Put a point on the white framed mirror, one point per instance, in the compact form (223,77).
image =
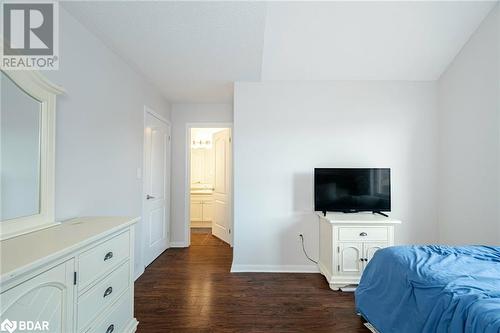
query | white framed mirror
(27,152)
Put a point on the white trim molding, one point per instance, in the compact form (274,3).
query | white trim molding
(275,268)
(139,273)
(187,180)
(35,85)
(179,244)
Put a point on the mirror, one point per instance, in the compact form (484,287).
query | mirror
(20,151)
(27,152)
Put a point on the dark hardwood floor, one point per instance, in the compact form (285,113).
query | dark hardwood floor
(192,290)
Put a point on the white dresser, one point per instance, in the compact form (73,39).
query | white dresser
(347,242)
(74,277)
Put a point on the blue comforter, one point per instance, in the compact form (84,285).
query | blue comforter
(418,289)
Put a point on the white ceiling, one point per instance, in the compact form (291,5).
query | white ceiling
(366,40)
(193,51)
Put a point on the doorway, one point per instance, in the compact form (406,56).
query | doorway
(209,190)
(156,186)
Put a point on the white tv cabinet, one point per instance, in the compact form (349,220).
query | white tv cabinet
(347,242)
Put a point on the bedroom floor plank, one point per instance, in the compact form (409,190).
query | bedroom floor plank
(192,290)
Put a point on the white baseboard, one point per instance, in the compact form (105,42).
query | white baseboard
(275,268)
(132,326)
(178,244)
(138,273)
(202,225)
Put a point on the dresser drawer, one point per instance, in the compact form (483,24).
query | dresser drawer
(103,294)
(101,259)
(363,233)
(117,318)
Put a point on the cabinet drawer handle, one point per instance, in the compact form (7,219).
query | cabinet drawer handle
(108,256)
(110,329)
(363,234)
(108,291)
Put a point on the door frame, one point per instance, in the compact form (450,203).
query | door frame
(187,170)
(151,112)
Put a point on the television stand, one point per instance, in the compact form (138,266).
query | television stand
(380,213)
(347,243)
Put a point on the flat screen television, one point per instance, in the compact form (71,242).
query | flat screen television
(352,190)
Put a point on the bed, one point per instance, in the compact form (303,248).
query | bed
(432,289)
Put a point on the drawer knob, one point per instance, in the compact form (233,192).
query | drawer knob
(108,291)
(363,234)
(110,329)
(108,256)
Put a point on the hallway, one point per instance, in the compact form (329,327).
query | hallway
(192,290)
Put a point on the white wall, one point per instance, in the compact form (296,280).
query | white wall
(469,99)
(99,128)
(182,115)
(282,131)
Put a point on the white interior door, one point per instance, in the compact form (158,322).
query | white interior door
(156,187)
(222,219)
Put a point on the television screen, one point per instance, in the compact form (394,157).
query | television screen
(352,190)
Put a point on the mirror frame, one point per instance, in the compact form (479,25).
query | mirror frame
(35,85)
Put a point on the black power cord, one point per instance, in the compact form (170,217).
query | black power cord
(304,249)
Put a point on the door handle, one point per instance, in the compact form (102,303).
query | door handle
(363,234)
(148,197)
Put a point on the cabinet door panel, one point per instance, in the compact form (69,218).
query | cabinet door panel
(196,210)
(207,211)
(369,249)
(47,297)
(350,258)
